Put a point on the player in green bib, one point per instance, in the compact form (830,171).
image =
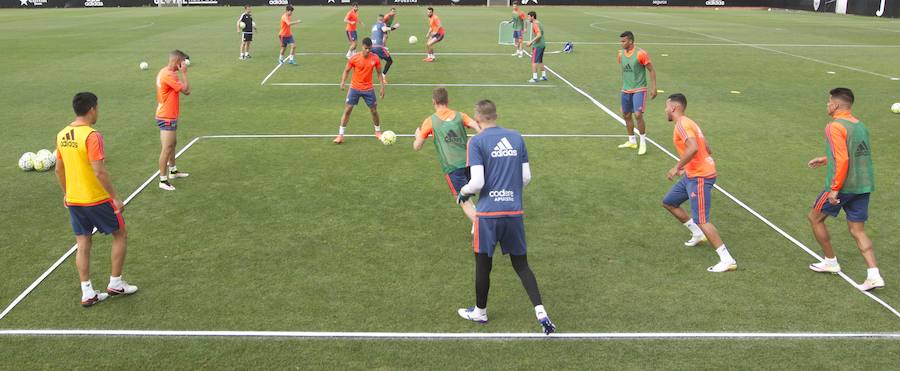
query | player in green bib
(848,184)
(518,29)
(449,130)
(537,44)
(635,64)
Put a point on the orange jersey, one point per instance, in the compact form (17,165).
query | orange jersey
(362,70)
(837,139)
(168,88)
(702,165)
(285,26)
(434,25)
(351,17)
(445,114)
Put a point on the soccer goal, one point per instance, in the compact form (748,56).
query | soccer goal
(505,33)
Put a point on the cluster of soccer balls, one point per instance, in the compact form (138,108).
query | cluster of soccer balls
(43,160)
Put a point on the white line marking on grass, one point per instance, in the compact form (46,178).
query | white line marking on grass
(236,136)
(727,194)
(417,85)
(449,54)
(756,46)
(72,250)
(271,73)
(738,44)
(460,335)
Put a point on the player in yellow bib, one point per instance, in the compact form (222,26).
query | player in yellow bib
(90,197)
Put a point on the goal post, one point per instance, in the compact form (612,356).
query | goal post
(505,33)
(169,3)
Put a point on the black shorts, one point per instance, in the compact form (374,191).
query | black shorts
(248,36)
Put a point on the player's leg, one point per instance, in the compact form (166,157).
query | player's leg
(388,61)
(483,243)
(700,190)
(856,207)
(173,171)
(167,152)
(281,40)
(351,37)
(627,115)
(511,234)
(672,202)
(820,211)
(293,48)
(639,101)
(456,179)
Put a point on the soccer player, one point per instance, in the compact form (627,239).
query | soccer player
(435,34)
(168,89)
(362,64)
(286,36)
(635,65)
(848,183)
(698,175)
(389,19)
(90,198)
(500,171)
(537,48)
(379,33)
(351,19)
(449,130)
(246,32)
(518,29)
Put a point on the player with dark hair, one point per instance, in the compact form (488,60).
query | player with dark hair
(698,175)
(849,182)
(90,197)
(518,29)
(435,34)
(286,36)
(351,19)
(449,130)
(380,31)
(246,32)
(537,44)
(500,171)
(169,88)
(363,64)
(635,64)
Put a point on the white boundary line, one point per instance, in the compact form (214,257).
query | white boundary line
(72,250)
(429,85)
(734,44)
(149,180)
(729,195)
(460,335)
(450,54)
(755,46)
(271,73)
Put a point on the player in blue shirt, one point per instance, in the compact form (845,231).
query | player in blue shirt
(498,162)
(379,32)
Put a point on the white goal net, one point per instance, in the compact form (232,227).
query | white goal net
(505,33)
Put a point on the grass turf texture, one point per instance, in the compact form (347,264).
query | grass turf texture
(295,234)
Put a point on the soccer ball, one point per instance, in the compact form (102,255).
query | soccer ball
(144,65)
(187,62)
(413,39)
(26,162)
(388,138)
(243,25)
(895,108)
(43,161)
(254,24)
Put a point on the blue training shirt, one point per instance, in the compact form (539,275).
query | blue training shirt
(502,152)
(378,35)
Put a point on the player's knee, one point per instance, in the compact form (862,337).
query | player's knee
(122,233)
(638,115)
(626,115)
(667,206)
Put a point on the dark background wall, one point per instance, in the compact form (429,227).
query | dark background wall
(860,7)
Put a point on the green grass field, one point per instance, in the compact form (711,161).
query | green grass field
(297,234)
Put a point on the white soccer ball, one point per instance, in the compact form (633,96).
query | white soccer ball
(254,24)
(43,162)
(895,108)
(144,65)
(187,62)
(243,25)
(388,138)
(26,162)
(413,39)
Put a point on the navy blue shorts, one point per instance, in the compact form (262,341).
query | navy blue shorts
(509,232)
(634,102)
(167,124)
(456,179)
(248,36)
(367,95)
(438,37)
(286,40)
(698,190)
(351,35)
(517,34)
(381,52)
(855,205)
(101,216)
(537,55)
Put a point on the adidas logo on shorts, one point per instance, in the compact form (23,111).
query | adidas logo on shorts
(504,149)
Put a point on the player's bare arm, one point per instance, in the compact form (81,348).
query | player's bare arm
(61,177)
(186,86)
(103,176)
(817,162)
(652,70)
(689,152)
(344,77)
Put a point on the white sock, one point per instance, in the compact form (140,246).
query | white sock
(87,290)
(873,273)
(173,169)
(341,130)
(723,254)
(291,57)
(534,75)
(544,73)
(377,127)
(539,312)
(643,138)
(115,281)
(163,178)
(832,261)
(693,227)
(480,311)
(631,139)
